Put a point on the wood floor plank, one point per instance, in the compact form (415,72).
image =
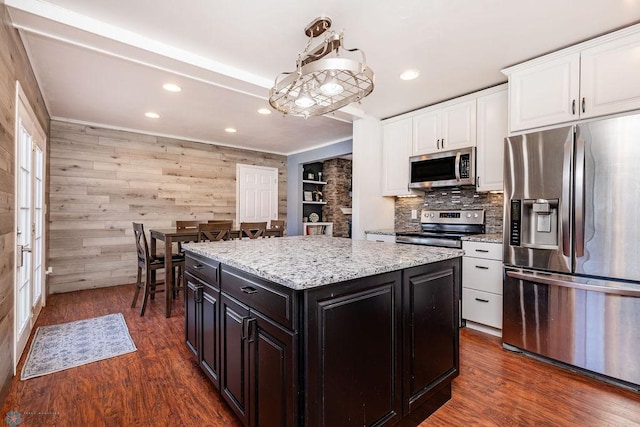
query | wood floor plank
(160,384)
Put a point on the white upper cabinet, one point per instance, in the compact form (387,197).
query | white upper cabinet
(459,126)
(446,128)
(396,150)
(595,78)
(610,81)
(451,125)
(545,94)
(426,132)
(492,129)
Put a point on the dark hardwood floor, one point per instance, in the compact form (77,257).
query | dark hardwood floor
(160,383)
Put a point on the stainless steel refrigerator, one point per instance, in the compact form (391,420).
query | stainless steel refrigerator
(572,246)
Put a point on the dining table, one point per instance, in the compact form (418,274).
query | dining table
(172,235)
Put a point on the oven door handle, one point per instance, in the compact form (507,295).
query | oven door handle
(583,283)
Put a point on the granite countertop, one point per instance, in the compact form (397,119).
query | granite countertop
(303,262)
(485,238)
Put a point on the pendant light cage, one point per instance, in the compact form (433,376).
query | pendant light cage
(327,77)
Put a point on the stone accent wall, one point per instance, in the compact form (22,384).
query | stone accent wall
(14,65)
(337,174)
(451,198)
(102,180)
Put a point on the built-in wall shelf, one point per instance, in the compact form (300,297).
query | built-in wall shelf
(314,203)
(317,228)
(306,181)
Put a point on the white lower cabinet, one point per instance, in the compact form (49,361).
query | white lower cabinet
(482,286)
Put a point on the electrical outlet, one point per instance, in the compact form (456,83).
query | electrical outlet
(414,214)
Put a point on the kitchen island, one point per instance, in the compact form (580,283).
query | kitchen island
(316,330)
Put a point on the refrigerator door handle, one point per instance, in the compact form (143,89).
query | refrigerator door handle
(579,197)
(566,197)
(596,285)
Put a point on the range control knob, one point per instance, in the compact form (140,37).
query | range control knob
(468,215)
(475,215)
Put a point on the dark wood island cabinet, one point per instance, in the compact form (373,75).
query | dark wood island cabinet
(375,350)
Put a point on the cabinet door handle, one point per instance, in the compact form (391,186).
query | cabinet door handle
(251,330)
(482,250)
(482,300)
(198,267)
(573,107)
(244,327)
(442,142)
(583,104)
(249,290)
(482,267)
(438,144)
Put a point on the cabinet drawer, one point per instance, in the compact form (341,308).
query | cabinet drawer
(482,274)
(482,250)
(274,301)
(203,268)
(482,307)
(389,238)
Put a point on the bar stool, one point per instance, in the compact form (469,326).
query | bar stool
(149,265)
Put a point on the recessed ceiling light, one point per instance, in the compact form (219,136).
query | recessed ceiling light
(152,115)
(171,87)
(264,111)
(409,74)
(231,130)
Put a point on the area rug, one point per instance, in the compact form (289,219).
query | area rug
(59,347)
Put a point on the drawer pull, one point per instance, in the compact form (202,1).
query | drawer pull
(198,267)
(249,290)
(381,241)
(482,300)
(482,267)
(482,250)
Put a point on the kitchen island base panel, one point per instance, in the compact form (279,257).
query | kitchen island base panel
(353,339)
(328,355)
(437,397)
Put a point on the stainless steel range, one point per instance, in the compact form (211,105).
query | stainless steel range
(445,228)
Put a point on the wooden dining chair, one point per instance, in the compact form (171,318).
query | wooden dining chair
(277,224)
(186,225)
(213,221)
(215,231)
(253,230)
(149,265)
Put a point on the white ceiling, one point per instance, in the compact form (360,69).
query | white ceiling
(104,61)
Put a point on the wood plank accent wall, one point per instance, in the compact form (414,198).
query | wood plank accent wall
(102,180)
(14,65)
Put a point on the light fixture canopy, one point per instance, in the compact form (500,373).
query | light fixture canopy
(324,80)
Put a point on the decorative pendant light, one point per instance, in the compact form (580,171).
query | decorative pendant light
(324,80)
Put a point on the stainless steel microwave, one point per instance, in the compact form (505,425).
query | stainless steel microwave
(443,169)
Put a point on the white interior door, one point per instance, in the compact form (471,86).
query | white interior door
(30,210)
(257,193)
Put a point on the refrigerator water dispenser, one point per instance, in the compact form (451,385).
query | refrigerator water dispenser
(536,226)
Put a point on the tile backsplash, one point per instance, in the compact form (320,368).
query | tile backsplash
(450,199)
